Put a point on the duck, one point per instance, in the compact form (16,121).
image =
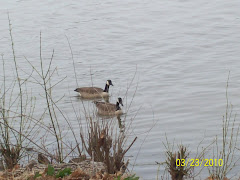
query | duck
(109,108)
(95,92)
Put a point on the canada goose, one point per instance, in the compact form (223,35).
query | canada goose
(94,92)
(108,108)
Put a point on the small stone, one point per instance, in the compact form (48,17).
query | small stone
(78,159)
(42,159)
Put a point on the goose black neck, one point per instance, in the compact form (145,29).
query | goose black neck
(106,88)
(117,106)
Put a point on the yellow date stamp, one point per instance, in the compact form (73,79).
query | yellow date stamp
(199,162)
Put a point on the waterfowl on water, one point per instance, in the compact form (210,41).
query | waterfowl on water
(94,92)
(108,108)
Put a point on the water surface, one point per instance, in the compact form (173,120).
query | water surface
(182,52)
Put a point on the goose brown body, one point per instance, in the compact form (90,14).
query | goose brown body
(109,108)
(94,92)
(91,92)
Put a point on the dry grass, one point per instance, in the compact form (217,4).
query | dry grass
(177,171)
(103,145)
(226,146)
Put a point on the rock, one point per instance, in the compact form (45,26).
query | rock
(42,159)
(78,159)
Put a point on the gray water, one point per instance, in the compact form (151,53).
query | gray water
(181,51)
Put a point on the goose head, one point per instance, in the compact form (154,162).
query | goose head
(109,82)
(118,109)
(119,100)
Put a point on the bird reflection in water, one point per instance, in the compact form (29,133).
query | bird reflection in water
(121,124)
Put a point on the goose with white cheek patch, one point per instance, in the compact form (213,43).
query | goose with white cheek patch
(94,92)
(109,108)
